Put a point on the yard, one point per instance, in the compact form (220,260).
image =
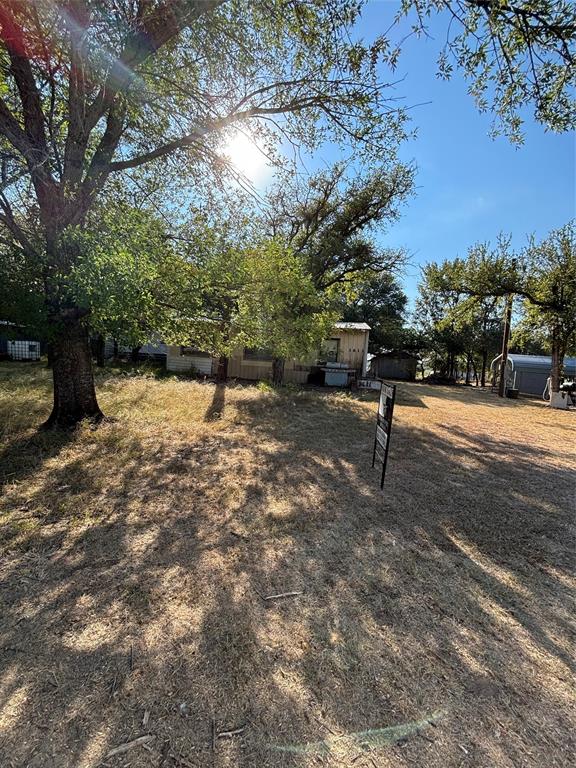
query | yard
(433,625)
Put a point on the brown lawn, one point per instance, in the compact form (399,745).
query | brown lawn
(434,626)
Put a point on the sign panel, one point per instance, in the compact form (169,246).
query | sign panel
(383,427)
(381,436)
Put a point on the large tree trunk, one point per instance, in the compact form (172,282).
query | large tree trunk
(222,370)
(74,391)
(557,362)
(278,370)
(134,354)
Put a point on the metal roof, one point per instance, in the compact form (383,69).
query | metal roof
(538,361)
(344,326)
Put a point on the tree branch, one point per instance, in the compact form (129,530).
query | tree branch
(77,19)
(197,134)
(152,32)
(33,115)
(7,218)
(100,166)
(10,127)
(562,32)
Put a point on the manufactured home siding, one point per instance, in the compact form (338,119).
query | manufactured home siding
(351,351)
(353,344)
(238,368)
(179,363)
(256,370)
(154,349)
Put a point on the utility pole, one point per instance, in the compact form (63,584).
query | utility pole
(505,339)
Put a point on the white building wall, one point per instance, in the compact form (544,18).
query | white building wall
(188,363)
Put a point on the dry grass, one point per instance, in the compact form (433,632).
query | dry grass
(136,557)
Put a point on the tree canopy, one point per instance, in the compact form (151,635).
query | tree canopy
(381,303)
(516,55)
(253,295)
(329,219)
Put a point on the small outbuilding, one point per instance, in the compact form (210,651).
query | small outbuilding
(393,365)
(528,373)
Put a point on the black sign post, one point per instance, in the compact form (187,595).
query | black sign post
(384,426)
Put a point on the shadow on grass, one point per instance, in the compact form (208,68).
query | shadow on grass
(447,591)
(216,407)
(24,455)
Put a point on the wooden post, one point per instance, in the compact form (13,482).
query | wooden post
(505,339)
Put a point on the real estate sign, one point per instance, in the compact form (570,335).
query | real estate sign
(383,427)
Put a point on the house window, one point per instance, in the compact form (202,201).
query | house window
(260,355)
(329,350)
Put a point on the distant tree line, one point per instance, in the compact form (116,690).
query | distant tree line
(461,304)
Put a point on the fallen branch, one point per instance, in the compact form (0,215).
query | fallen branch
(365,740)
(229,734)
(282,594)
(129,745)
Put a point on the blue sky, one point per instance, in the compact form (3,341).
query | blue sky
(469,186)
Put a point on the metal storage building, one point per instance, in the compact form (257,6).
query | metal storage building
(528,373)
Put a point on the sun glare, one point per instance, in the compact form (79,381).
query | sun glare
(245,156)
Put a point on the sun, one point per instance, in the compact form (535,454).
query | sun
(245,155)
